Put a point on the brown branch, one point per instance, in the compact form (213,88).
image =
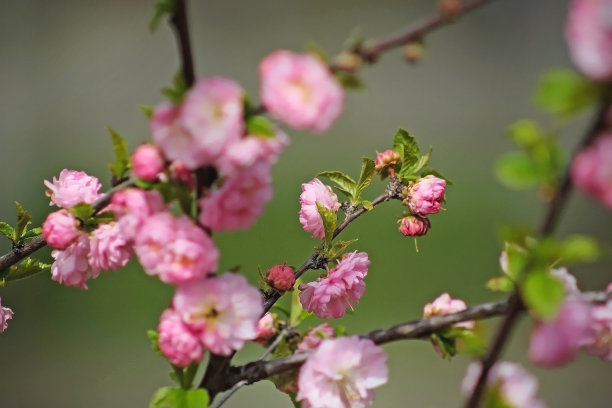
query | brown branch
(180,24)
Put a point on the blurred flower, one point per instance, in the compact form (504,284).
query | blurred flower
(316,192)
(180,346)
(265,329)
(72,188)
(147,162)
(315,336)
(592,169)
(132,207)
(599,342)
(60,229)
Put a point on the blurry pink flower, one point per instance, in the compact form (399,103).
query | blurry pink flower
(589,37)
(556,342)
(209,119)
(315,336)
(132,207)
(508,384)
(147,162)
(265,329)
(6,314)
(222,311)
(239,201)
(300,90)
(569,281)
(180,346)
(60,229)
(180,172)
(175,249)
(599,342)
(444,304)
(592,169)
(316,192)
(109,249)
(281,277)
(72,188)
(342,372)
(414,225)
(341,289)
(425,196)
(71,266)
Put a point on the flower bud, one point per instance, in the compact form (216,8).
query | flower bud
(425,196)
(265,329)
(414,226)
(60,229)
(281,277)
(147,162)
(386,159)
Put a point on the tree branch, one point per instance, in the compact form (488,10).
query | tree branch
(180,24)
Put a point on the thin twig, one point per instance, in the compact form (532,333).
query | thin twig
(180,23)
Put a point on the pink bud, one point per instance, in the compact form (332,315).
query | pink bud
(425,196)
(265,329)
(60,229)
(386,159)
(147,162)
(414,225)
(281,277)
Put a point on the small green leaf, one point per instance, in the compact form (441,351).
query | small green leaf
(32,233)
(516,258)
(24,269)
(500,284)
(367,205)
(542,293)
(329,222)
(407,147)
(297,314)
(121,164)
(154,338)
(7,231)
(365,177)
(422,162)
(260,126)
(517,170)
(82,211)
(580,248)
(344,183)
(338,248)
(147,110)
(349,80)
(24,219)
(564,92)
(177,91)
(162,8)
(526,133)
(171,397)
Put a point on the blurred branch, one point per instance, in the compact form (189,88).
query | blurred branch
(179,22)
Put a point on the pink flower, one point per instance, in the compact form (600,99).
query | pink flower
(72,188)
(300,90)
(592,169)
(414,225)
(180,346)
(342,372)
(109,249)
(71,266)
(175,249)
(341,289)
(147,162)
(425,196)
(599,342)
(223,311)
(265,329)
(316,192)
(239,201)
(281,277)
(315,336)
(180,172)
(508,383)
(6,314)
(589,37)
(556,342)
(199,130)
(132,207)
(60,229)
(444,304)
(386,159)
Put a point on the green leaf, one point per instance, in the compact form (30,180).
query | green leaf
(367,205)
(422,162)
(7,231)
(500,284)
(82,211)
(542,293)
(298,314)
(564,92)
(103,218)
(329,222)
(162,8)
(24,269)
(24,219)
(344,183)
(154,338)
(147,110)
(121,164)
(517,170)
(260,126)
(177,91)
(365,177)
(407,147)
(338,248)
(171,397)
(517,258)
(580,248)
(428,170)
(32,233)
(349,80)
(526,133)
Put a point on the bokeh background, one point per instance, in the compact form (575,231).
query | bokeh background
(69,68)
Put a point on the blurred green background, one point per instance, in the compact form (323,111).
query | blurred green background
(68,68)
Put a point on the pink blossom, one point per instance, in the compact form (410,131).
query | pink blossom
(223,311)
(386,159)
(592,169)
(180,346)
(6,314)
(444,304)
(200,129)
(132,207)
(60,229)
(72,188)
(425,196)
(589,37)
(556,342)
(414,225)
(599,342)
(341,289)
(265,329)
(147,162)
(315,336)
(299,90)
(342,372)
(71,266)
(180,172)
(281,277)
(508,383)
(109,249)
(239,201)
(316,192)
(175,249)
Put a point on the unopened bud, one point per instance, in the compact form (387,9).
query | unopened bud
(147,162)
(413,51)
(281,277)
(449,8)
(348,61)
(414,226)
(385,159)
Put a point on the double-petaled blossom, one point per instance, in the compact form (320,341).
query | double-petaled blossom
(222,311)
(175,249)
(315,192)
(341,289)
(444,304)
(71,266)
(240,200)
(109,249)
(281,277)
(414,225)
(72,188)
(508,385)
(6,314)
(147,162)
(592,169)
(426,195)
(300,90)
(342,373)
(209,119)
(315,336)
(132,207)
(589,37)
(599,341)
(176,341)
(60,229)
